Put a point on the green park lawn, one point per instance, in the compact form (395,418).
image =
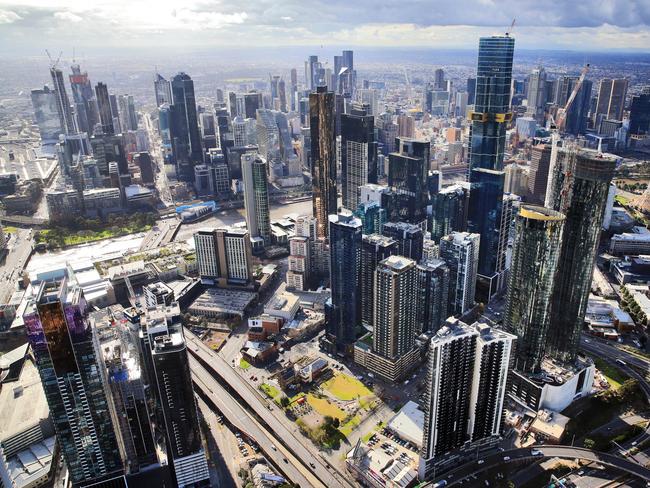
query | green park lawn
(345,387)
(243,364)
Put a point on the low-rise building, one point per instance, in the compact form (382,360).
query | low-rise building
(283,304)
(408,424)
(631,243)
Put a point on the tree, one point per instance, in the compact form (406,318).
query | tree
(589,443)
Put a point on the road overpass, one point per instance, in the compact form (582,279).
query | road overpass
(525,454)
(283,429)
(242,420)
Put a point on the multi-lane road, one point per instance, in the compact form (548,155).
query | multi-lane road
(284,431)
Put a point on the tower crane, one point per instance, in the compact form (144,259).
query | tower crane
(54,64)
(561,113)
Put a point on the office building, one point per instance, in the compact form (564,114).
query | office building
(489,121)
(323,154)
(344,314)
(579,188)
(85,106)
(104,108)
(358,153)
(62,341)
(405,126)
(173,383)
(538,232)
(46,114)
(163,91)
(409,238)
(374,249)
(540,162)
(610,101)
(471,91)
(577,116)
(537,94)
(432,295)
(186,140)
(64,109)
(460,251)
(408,169)
(640,112)
(516,179)
(256,199)
(245,105)
(223,255)
(464,396)
(395,307)
(449,211)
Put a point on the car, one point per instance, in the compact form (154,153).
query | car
(536,452)
(312,465)
(621,362)
(481,461)
(587,341)
(273,447)
(285,460)
(581,473)
(506,458)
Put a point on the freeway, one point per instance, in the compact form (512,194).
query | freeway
(283,428)
(243,421)
(472,468)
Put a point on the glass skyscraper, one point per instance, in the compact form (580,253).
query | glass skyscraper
(532,273)
(579,188)
(489,120)
(62,340)
(185,128)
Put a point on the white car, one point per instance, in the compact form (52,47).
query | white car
(481,461)
(506,458)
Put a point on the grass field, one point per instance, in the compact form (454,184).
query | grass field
(243,364)
(324,407)
(9,229)
(347,428)
(345,387)
(269,390)
(615,377)
(86,236)
(622,200)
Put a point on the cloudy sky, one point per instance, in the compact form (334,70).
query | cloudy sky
(27,25)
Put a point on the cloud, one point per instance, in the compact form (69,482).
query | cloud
(588,24)
(68,17)
(8,17)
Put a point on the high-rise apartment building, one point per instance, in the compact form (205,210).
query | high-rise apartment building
(460,251)
(61,338)
(224,255)
(534,263)
(374,249)
(449,210)
(372,217)
(163,91)
(345,272)
(432,294)
(256,199)
(640,113)
(489,121)
(540,163)
(409,238)
(465,392)
(537,94)
(395,307)
(358,154)
(298,274)
(173,383)
(85,106)
(323,154)
(579,188)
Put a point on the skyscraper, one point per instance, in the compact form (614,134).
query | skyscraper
(432,295)
(256,197)
(358,154)
(323,154)
(640,112)
(62,340)
(186,140)
(84,100)
(173,381)
(489,120)
(394,309)
(449,211)
(104,108)
(409,238)
(579,188)
(46,114)
(611,99)
(537,94)
(163,91)
(464,396)
(372,217)
(460,251)
(540,162)
(532,273)
(408,169)
(439,82)
(62,102)
(374,249)
(345,268)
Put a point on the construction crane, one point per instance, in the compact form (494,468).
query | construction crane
(53,64)
(561,113)
(512,27)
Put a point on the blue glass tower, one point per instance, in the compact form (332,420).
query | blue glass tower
(489,120)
